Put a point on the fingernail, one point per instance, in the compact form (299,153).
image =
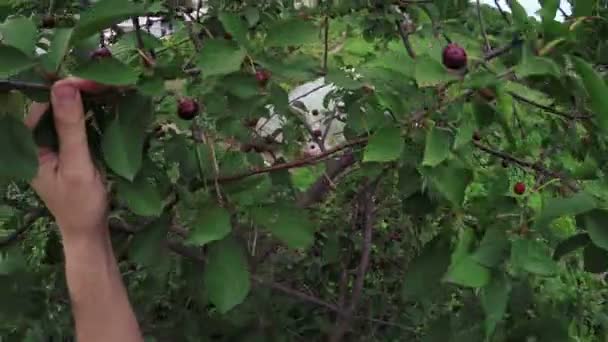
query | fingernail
(64,93)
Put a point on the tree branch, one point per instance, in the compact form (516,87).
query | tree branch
(308,93)
(502,12)
(294,293)
(549,109)
(482,27)
(27,224)
(319,189)
(405,38)
(366,200)
(141,47)
(290,165)
(502,50)
(326,40)
(8,85)
(538,167)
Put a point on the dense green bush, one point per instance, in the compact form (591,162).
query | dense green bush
(456,205)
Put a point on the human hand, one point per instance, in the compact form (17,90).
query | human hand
(68,181)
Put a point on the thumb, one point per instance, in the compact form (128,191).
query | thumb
(68,112)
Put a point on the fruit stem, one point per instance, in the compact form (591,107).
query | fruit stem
(8,85)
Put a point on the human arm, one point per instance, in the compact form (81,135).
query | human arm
(74,192)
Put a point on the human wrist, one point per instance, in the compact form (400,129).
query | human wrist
(95,238)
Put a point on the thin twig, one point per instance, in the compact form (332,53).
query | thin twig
(8,85)
(548,109)
(198,45)
(502,50)
(309,92)
(290,165)
(323,185)
(502,12)
(405,38)
(294,293)
(200,136)
(482,28)
(317,301)
(141,46)
(538,167)
(29,221)
(326,42)
(368,219)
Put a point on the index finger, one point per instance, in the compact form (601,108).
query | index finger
(36,111)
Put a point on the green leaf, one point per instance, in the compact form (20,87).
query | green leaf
(583,8)
(226,275)
(467,272)
(123,139)
(437,147)
(467,128)
(252,14)
(466,239)
(597,90)
(103,14)
(21,33)
(108,71)
(12,261)
(534,66)
(520,16)
(528,93)
(555,207)
(451,181)
(571,244)
(241,85)
(342,80)
(60,44)
(18,152)
(532,256)
(220,57)
(146,245)
(505,109)
(234,25)
(141,196)
(384,146)
(595,222)
(493,248)
(463,269)
(13,61)
(549,9)
(424,272)
(429,72)
(290,224)
(291,32)
(494,300)
(595,258)
(212,223)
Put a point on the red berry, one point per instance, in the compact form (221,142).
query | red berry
(48,21)
(519,188)
(187,108)
(246,148)
(102,52)
(317,133)
(250,122)
(454,57)
(262,76)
